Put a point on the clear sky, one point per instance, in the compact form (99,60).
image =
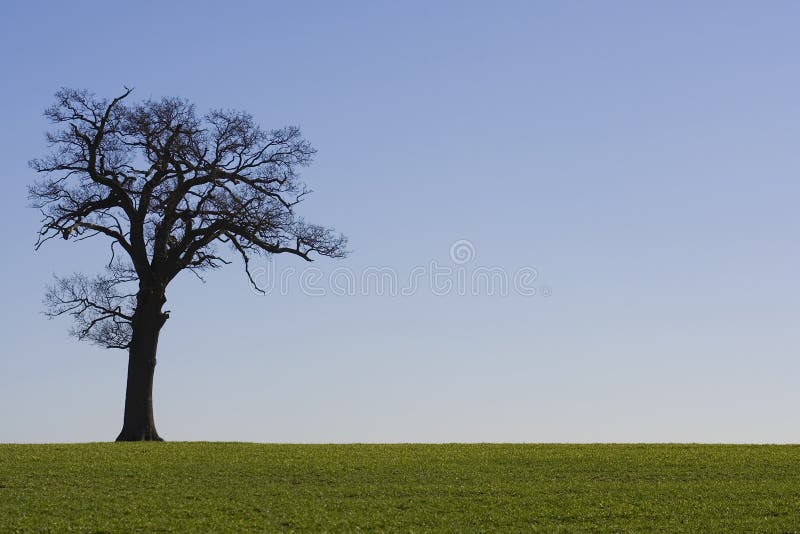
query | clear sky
(644,158)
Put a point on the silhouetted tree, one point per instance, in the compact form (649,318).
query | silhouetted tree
(166,187)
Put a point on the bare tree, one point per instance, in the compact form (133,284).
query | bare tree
(168,188)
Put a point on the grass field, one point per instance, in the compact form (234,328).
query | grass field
(552,488)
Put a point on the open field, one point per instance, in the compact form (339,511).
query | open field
(226,486)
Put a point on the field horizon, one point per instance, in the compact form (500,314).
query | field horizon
(399,487)
(389,443)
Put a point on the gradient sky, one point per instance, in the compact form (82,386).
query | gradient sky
(643,157)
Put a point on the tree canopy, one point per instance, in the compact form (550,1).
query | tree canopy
(167,187)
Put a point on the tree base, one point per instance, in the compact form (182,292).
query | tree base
(140,435)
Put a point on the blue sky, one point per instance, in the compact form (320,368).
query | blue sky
(643,158)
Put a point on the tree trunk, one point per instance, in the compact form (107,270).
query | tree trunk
(147,322)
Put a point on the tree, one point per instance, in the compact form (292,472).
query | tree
(167,187)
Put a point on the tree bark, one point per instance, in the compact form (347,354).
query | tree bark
(148,319)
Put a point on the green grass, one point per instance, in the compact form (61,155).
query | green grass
(552,488)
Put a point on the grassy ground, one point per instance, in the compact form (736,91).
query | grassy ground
(553,488)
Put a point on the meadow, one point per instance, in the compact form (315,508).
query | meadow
(102,487)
